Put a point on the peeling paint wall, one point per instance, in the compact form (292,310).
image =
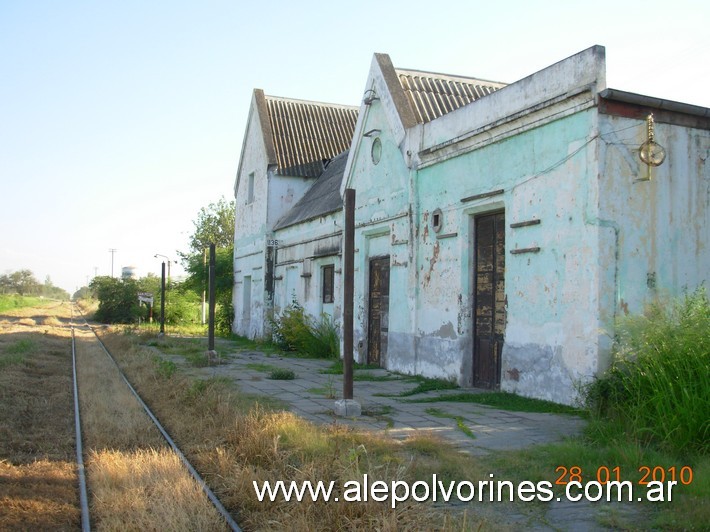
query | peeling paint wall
(538,153)
(661,214)
(382,229)
(551,290)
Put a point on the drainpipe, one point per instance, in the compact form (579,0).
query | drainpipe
(607,224)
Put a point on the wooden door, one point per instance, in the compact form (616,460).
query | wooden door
(489,299)
(378,313)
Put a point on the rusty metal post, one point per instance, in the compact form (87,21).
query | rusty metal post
(210,341)
(348,292)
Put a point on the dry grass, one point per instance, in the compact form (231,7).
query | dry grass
(38,496)
(112,417)
(147,490)
(37,476)
(233,441)
(136,482)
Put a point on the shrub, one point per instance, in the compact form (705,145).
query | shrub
(118,300)
(294,330)
(658,386)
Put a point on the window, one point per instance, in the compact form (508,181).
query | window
(376,150)
(328,278)
(437,220)
(250,189)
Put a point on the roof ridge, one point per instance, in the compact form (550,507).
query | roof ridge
(310,102)
(441,75)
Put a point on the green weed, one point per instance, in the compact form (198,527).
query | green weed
(337,367)
(424,385)
(259,366)
(11,360)
(20,347)
(503,401)
(165,368)
(296,331)
(658,386)
(460,421)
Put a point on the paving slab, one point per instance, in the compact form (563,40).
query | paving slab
(312,395)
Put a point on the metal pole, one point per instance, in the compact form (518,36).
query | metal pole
(112,251)
(162,298)
(348,291)
(204,284)
(210,345)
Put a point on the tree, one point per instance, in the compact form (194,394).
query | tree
(83,293)
(214,224)
(197,281)
(23,282)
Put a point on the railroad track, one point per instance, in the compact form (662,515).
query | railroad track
(82,476)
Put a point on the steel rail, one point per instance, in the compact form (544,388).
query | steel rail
(205,488)
(83,495)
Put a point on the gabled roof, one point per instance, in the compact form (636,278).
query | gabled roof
(305,134)
(432,95)
(323,197)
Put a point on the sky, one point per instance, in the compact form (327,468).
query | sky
(119,120)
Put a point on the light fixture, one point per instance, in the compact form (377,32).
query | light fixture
(651,152)
(369,97)
(372,133)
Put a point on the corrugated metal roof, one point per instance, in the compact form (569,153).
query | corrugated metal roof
(323,197)
(307,133)
(433,95)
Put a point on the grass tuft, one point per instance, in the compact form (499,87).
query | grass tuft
(282,374)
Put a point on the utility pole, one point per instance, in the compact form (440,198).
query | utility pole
(347,406)
(162,299)
(112,251)
(210,333)
(348,285)
(204,283)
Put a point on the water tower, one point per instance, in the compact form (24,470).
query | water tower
(128,272)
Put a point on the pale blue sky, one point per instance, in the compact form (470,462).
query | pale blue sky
(119,120)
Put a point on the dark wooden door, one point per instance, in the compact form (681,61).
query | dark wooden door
(489,299)
(378,314)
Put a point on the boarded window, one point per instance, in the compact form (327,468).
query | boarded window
(250,188)
(328,278)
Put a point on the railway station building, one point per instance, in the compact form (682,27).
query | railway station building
(500,229)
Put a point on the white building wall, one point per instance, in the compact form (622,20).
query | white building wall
(250,231)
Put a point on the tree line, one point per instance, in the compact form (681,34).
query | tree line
(24,283)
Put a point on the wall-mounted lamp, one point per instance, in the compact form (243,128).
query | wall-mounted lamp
(369,97)
(372,133)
